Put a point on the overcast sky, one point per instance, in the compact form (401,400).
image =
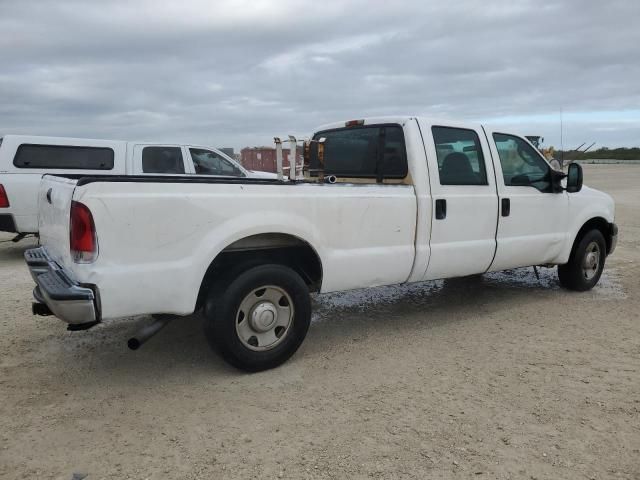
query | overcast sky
(235,73)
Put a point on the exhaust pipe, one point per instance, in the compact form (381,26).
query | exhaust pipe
(330,179)
(148,331)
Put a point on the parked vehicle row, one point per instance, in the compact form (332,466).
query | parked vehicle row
(24,159)
(413,200)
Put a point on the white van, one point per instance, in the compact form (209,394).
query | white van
(24,159)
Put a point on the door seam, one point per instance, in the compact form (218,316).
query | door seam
(495,179)
(426,159)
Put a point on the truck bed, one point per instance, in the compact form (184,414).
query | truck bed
(174,227)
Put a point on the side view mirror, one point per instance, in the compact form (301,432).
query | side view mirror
(574,178)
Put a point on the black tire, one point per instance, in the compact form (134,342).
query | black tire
(574,275)
(223,316)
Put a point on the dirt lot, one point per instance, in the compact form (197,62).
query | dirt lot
(503,377)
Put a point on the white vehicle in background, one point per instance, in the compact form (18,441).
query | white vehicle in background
(382,201)
(24,159)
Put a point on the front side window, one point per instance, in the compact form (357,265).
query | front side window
(521,164)
(63,157)
(162,160)
(460,159)
(207,162)
(376,151)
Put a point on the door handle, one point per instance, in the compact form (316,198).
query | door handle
(441,209)
(506,207)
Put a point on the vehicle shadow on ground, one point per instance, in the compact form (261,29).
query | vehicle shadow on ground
(180,349)
(14,251)
(435,304)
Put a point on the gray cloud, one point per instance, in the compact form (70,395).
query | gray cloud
(238,72)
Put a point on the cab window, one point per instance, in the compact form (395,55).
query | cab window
(206,162)
(460,159)
(522,165)
(162,160)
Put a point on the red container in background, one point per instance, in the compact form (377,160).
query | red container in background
(263,159)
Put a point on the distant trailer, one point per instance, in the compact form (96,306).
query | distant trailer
(536,140)
(228,151)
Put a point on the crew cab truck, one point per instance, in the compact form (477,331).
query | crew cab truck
(383,201)
(25,158)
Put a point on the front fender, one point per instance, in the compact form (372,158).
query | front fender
(585,205)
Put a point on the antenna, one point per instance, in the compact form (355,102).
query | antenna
(561,142)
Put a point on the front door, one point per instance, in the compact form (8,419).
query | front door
(465,202)
(533,219)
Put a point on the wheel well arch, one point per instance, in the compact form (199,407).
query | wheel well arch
(279,248)
(595,223)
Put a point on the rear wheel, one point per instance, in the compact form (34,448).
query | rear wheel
(259,319)
(585,264)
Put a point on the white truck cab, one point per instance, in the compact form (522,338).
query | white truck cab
(383,201)
(24,159)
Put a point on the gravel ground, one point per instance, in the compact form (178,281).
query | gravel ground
(505,376)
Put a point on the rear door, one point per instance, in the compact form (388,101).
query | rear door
(465,201)
(160,160)
(533,219)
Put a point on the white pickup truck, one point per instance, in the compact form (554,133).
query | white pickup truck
(407,200)
(25,158)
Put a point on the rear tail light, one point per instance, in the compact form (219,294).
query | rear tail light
(4,200)
(82,235)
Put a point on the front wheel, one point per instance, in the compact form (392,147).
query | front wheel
(259,319)
(585,264)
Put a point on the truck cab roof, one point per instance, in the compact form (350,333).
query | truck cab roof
(399,119)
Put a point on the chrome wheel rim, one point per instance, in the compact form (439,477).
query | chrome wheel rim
(264,318)
(591,261)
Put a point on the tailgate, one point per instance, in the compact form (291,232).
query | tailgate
(54,208)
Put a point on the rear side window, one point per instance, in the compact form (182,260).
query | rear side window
(162,160)
(63,157)
(460,159)
(376,151)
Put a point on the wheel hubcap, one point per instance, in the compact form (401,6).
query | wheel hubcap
(264,318)
(591,261)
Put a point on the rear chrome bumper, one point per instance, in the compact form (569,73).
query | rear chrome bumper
(67,300)
(613,238)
